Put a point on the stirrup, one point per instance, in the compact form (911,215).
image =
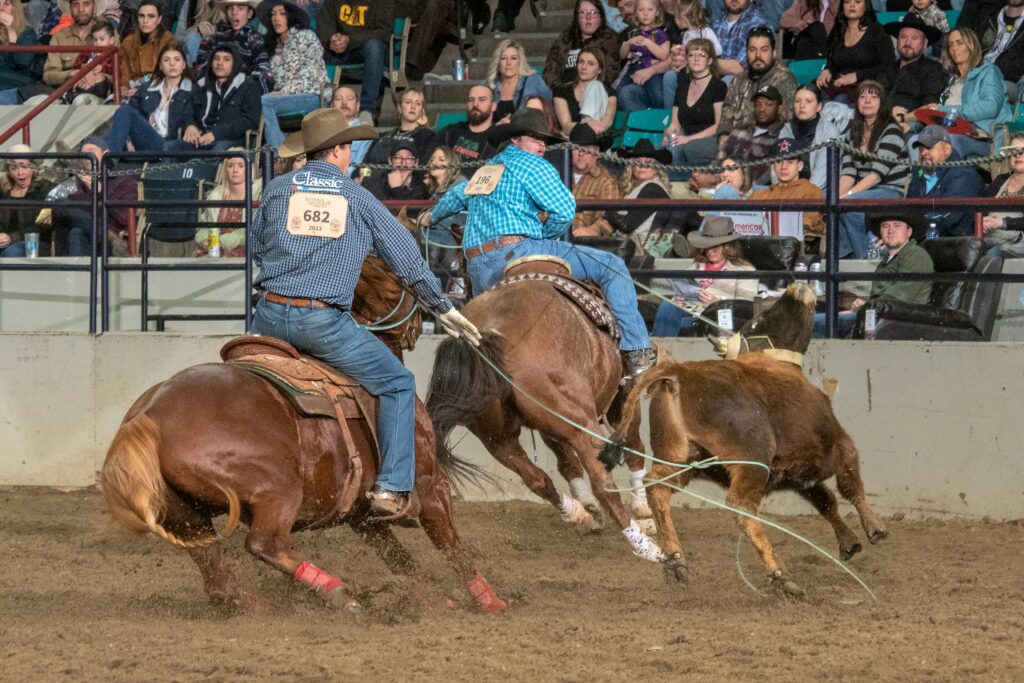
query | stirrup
(387,505)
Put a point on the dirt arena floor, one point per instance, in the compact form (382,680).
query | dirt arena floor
(80,601)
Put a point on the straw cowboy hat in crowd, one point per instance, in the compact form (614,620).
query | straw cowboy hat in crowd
(529,122)
(715,230)
(324,128)
(98,7)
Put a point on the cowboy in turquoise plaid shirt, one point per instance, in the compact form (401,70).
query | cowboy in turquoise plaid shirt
(504,223)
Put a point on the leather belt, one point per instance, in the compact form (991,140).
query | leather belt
(298,303)
(473,252)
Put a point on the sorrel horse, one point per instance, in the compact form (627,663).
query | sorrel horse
(756,409)
(217,439)
(555,353)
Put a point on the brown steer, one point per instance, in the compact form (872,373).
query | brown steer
(754,409)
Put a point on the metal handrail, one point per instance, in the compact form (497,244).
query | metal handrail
(105,54)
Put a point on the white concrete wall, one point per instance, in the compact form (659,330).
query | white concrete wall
(938,425)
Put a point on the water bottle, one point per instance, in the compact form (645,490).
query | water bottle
(819,285)
(870,323)
(933,231)
(874,253)
(800,267)
(950,118)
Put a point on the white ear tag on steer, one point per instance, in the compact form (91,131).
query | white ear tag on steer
(725,320)
(485,179)
(315,214)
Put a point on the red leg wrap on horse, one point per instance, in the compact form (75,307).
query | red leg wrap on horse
(317,578)
(484,595)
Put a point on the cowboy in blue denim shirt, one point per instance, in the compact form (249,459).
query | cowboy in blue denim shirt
(314,228)
(504,223)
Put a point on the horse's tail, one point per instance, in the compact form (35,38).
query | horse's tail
(462,385)
(614,452)
(135,490)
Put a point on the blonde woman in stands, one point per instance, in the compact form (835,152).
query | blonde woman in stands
(512,80)
(230,187)
(1004,228)
(588,99)
(15,69)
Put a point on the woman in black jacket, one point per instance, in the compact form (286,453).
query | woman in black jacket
(159,111)
(859,49)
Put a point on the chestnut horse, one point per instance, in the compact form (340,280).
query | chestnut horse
(755,408)
(217,439)
(557,355)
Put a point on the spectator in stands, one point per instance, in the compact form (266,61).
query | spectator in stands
(97,86)
(646,57)
(918,81)
(290,154)
(16,70)
(226,105)
(444,171)
(296,64)
(875,132)
(713,248)
(588,99)
(692,136)
(230,187)
(72,225)
(788,184)
(590,180)
(975,92)
(439,240)
(589,29)
(760,69)
(813,123)
(411,129)
(806,26)
(160,111)
(400,182)
(505,15)
(1006,228)
(734,29)
(250,48)
(469,138)
(643,180)
(929,12)
(859,49)
(84,14)
(357,32)
(140,49)
(347,100)
(1005,49)
(896,228)
(511,80)
(547,106)
(754,142)
(944,183)
(20,181)
(690,23)
(979,15)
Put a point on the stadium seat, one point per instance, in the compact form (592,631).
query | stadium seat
(631,137)
(649,120)
(952,16)
(398,47)
(806,70)
(170,224)
(447,118)
(890,17)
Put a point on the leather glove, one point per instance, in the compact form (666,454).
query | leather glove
(458,325)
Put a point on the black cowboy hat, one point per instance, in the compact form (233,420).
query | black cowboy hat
(299,15)
(531,122)
(897,213)
(644,149)
(583,134)
(910,20)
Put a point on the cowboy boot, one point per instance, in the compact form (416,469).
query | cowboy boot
(638,361)
(387,504)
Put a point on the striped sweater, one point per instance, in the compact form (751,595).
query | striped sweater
(890,144)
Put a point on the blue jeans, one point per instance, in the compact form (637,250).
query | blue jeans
(191,44)
(12,250)
(669,85)
(672,321)
(10,97)
(373,56)
(215,146)
(844,325)
(336,338)
(592,265)
(284,104)
(633,97)
(853,235)
(80,242)
(129,124)
(693,153)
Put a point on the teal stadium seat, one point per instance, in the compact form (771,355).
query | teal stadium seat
(889,17)
(649,120)
(631,137)
(952,16)
(447,118)
(806,70)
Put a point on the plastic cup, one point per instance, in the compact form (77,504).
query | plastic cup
(32,244)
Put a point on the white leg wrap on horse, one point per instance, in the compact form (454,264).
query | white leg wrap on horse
(638,496)
(573,512)
(636,479)
(643,546)
(580,488)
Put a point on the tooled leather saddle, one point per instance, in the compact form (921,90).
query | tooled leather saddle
(315,389)
(587,296)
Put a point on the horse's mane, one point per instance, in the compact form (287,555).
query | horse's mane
(379,299)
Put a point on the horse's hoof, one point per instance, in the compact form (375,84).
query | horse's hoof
(597,514)
(675,569)
(648,526)
(847,553)
(342,599)
(878,535)
(780,584)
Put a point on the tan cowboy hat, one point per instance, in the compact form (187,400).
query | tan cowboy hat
(292,145)
(98,7)
(715,230)
(325,128)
